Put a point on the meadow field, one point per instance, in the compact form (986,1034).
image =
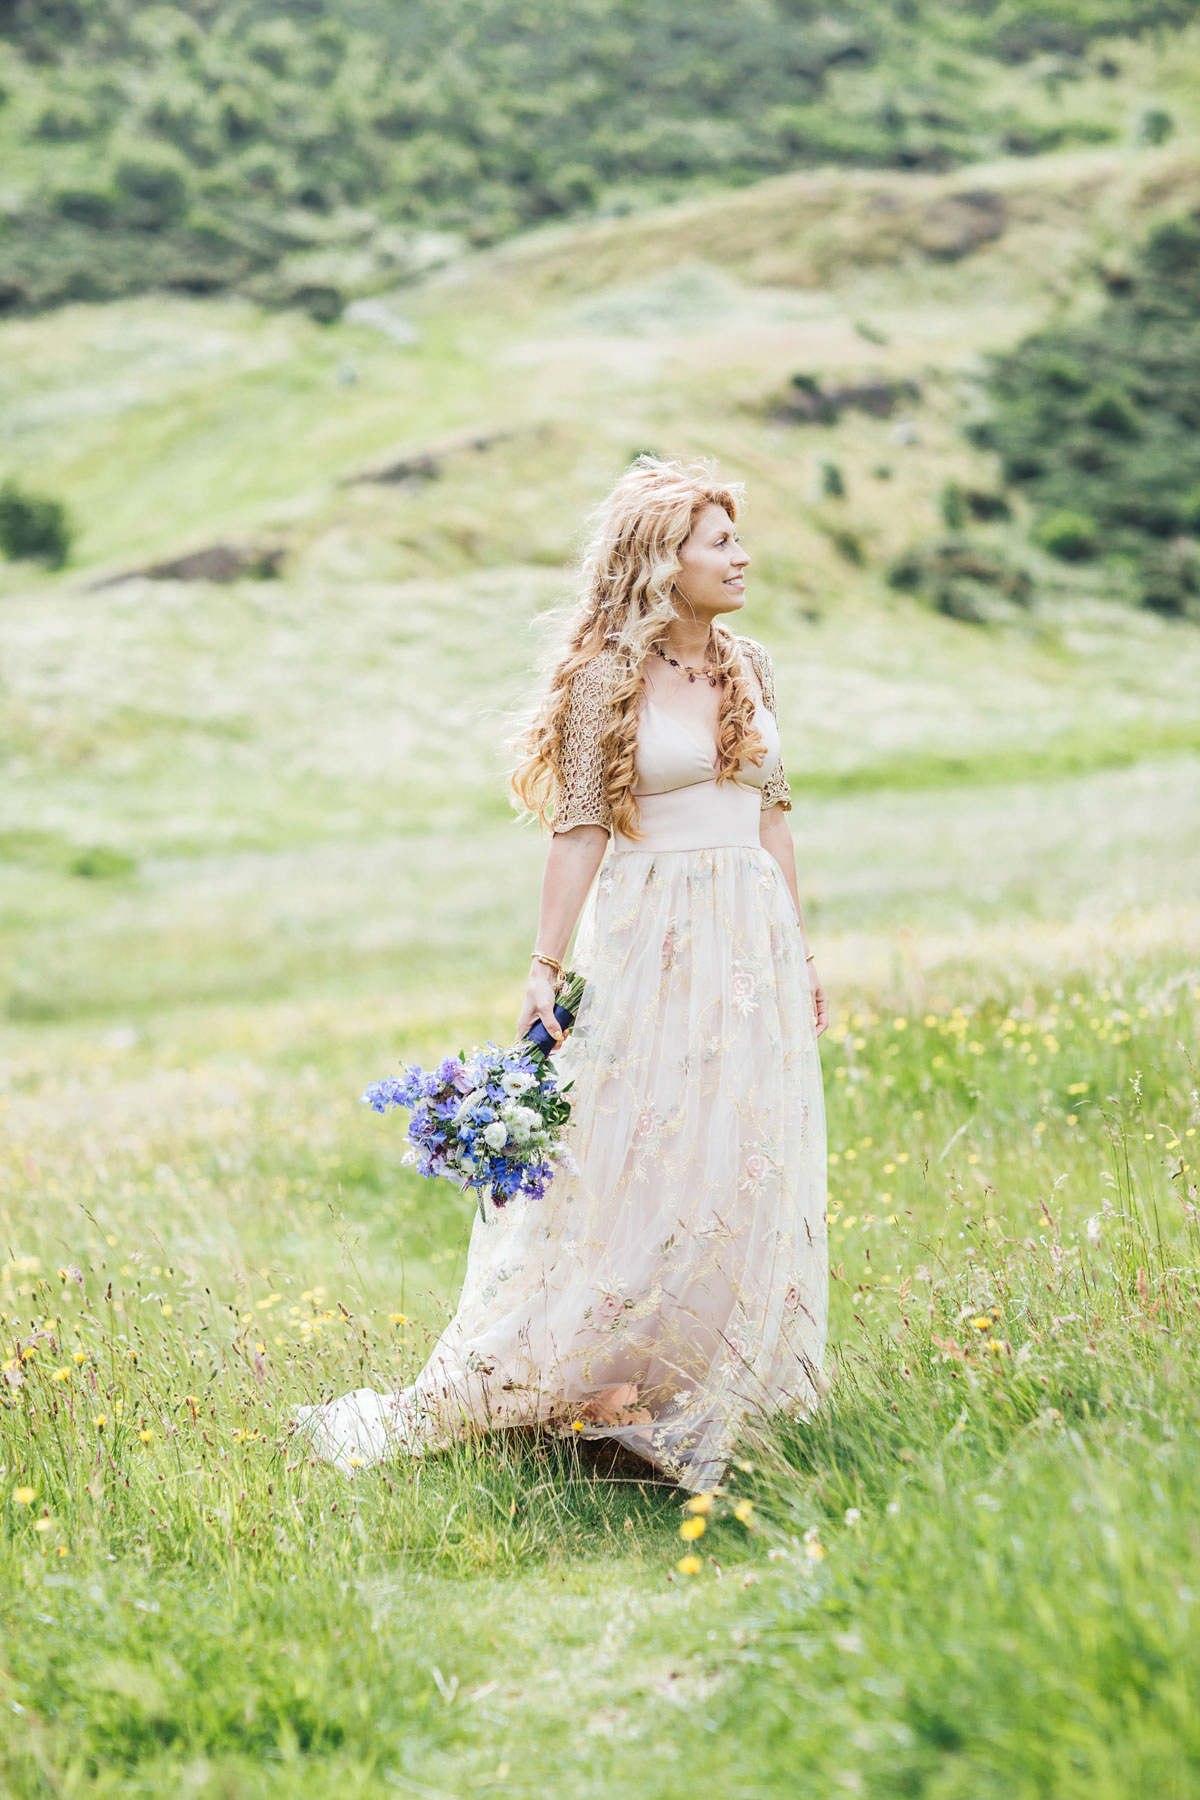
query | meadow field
(255,850)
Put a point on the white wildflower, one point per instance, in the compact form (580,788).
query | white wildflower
(1095,1230)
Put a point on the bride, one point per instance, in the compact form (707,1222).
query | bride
(674,1278)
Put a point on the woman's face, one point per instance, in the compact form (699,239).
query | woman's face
(712,566)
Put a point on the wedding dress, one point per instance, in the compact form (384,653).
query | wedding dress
(674,1278)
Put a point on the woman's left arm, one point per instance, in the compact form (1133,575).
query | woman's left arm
(775,837)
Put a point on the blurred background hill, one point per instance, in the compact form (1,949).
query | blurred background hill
(308,151)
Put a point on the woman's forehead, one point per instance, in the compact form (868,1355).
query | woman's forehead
(712,522)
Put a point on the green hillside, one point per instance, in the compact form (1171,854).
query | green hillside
(304,153)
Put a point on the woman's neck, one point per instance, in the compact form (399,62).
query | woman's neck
(688,640)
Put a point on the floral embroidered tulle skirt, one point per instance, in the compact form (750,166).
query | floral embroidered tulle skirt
(674,1279)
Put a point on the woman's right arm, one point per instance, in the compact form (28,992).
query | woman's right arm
(571,864)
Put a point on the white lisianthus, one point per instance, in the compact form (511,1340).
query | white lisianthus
(495,1135)
(529,1117)
(515,1082)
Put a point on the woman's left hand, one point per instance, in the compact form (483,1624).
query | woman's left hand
(819,1000)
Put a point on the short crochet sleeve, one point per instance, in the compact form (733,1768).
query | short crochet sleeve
(579,799)
(776,791)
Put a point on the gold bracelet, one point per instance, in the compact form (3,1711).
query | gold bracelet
(551,962)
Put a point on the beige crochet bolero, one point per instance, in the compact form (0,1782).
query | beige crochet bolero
(580,796)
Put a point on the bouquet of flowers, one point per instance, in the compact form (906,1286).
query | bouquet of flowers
(492,1120)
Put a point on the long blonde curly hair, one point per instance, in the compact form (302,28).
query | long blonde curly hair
(626,601)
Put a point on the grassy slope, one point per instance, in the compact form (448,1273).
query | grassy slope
(305,774)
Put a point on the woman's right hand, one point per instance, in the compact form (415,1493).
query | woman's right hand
(539,1003)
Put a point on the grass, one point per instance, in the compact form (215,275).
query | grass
(1013,1401)
(253,851)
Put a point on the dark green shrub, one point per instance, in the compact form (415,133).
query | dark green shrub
(833,482)
(1155,125)
(985,506)
(67,120)
(1068,535)
(33,527)
(1062,373)
(1108,409)
(321,301)
(93,204)
(153,185)
(952,506)
(1169,580)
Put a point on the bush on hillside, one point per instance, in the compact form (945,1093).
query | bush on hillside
(1098,423)
(1068,535)
(152,181)
(33,527)
(962,579)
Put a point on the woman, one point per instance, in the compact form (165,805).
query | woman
(674,1279)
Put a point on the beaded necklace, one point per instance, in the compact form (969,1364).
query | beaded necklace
(689,671)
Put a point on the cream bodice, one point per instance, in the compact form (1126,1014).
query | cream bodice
(682,805)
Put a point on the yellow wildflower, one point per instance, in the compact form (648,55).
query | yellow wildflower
(692,1529)
(146,1436)
(80,1356)
(22,1496)
(576,1424)
(982,1324)
(42,1524)
(61,1374)
(743,1512)
(397,1318)
(813,1547)
(699,1503)
(100,1421)
(689,1565)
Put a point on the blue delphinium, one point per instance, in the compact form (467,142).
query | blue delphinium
(492,1120)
